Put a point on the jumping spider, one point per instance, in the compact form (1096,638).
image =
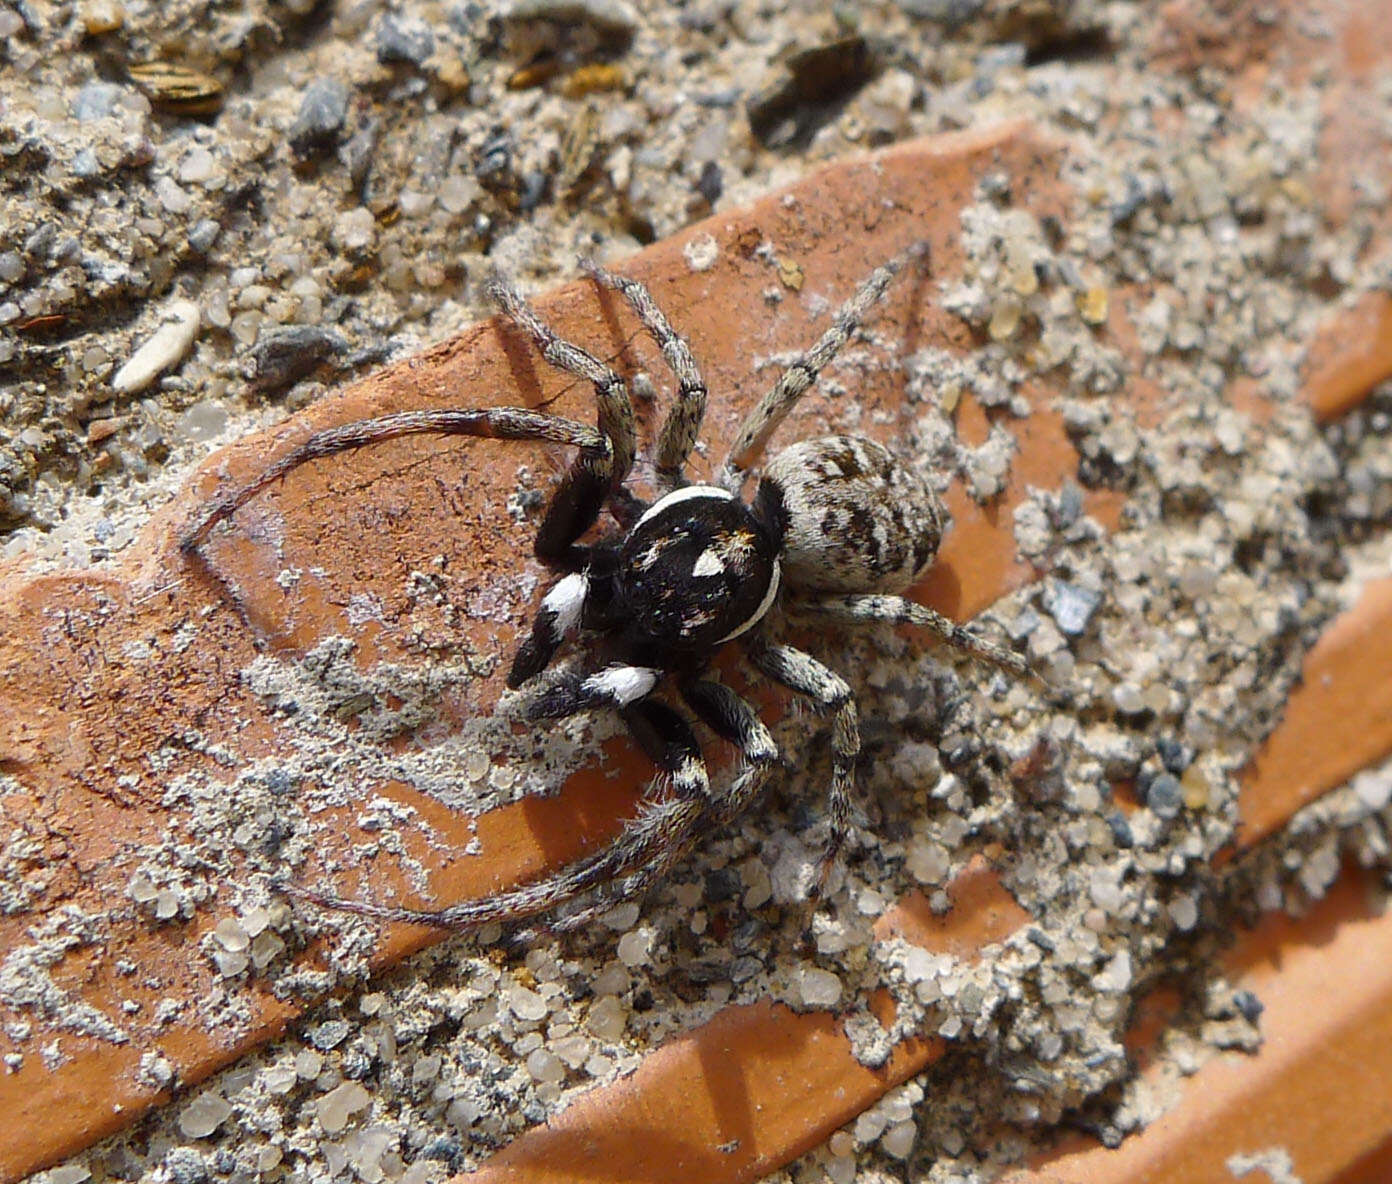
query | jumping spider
(837,526)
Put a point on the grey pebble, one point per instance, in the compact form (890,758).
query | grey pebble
(323,109)
(96,100)
(203,234)
(329,1034)
(1164,795)
(85,163)
(946,12)
(1070,606)
(403,40)
(282,358)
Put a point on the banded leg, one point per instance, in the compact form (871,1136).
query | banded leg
(829,692)
(615,408)
(683,423)
(573,508)
(661,833)
(616,686)
(869,608)
(731,718)
(558,617)
(802,372)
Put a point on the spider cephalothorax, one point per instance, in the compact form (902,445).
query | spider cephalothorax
(837,526)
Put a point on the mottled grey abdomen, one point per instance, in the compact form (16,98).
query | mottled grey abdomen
(855,519)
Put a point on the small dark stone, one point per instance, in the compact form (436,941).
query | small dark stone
(808,89)
(1070,505)
(745,968)
(357,153)
(493,161)
(1164,795)
(282,358)
(323,109)
(1248,1005)
(533,191)
(1041,939)
(1176,757)
(404,41)
(613,22)
(722,884)
(710,184)
(1121,829)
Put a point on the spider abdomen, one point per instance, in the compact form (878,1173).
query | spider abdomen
(854,518)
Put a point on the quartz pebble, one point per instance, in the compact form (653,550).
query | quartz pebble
(202,1116)
(337,1107)
(817,987)
(165,347)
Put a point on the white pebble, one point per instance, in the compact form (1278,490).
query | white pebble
(701,252)
(527,1005)
(898,1141)
(337,1106)
(355,229)
(166,346)
(202,1116)
(635,947)
(1184,912)
(545,1067)
(818,988)
(1373,788)
(231,935)
(607,1019)
(1116,975)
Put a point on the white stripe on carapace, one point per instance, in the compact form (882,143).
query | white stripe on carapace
(685,493)
(709,563)
(764,606)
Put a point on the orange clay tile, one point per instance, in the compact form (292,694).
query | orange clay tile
(98,669)
(1319,1089)
(78,713)
(764,1048)
(755,1086)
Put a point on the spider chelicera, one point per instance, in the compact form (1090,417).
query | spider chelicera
(837,527)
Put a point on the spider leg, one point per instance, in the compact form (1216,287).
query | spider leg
(615,408)
(866,608)
(683,422)
(802,372)
(661,833)
(829,692)
(731,718)
(616,686)
(573,508)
